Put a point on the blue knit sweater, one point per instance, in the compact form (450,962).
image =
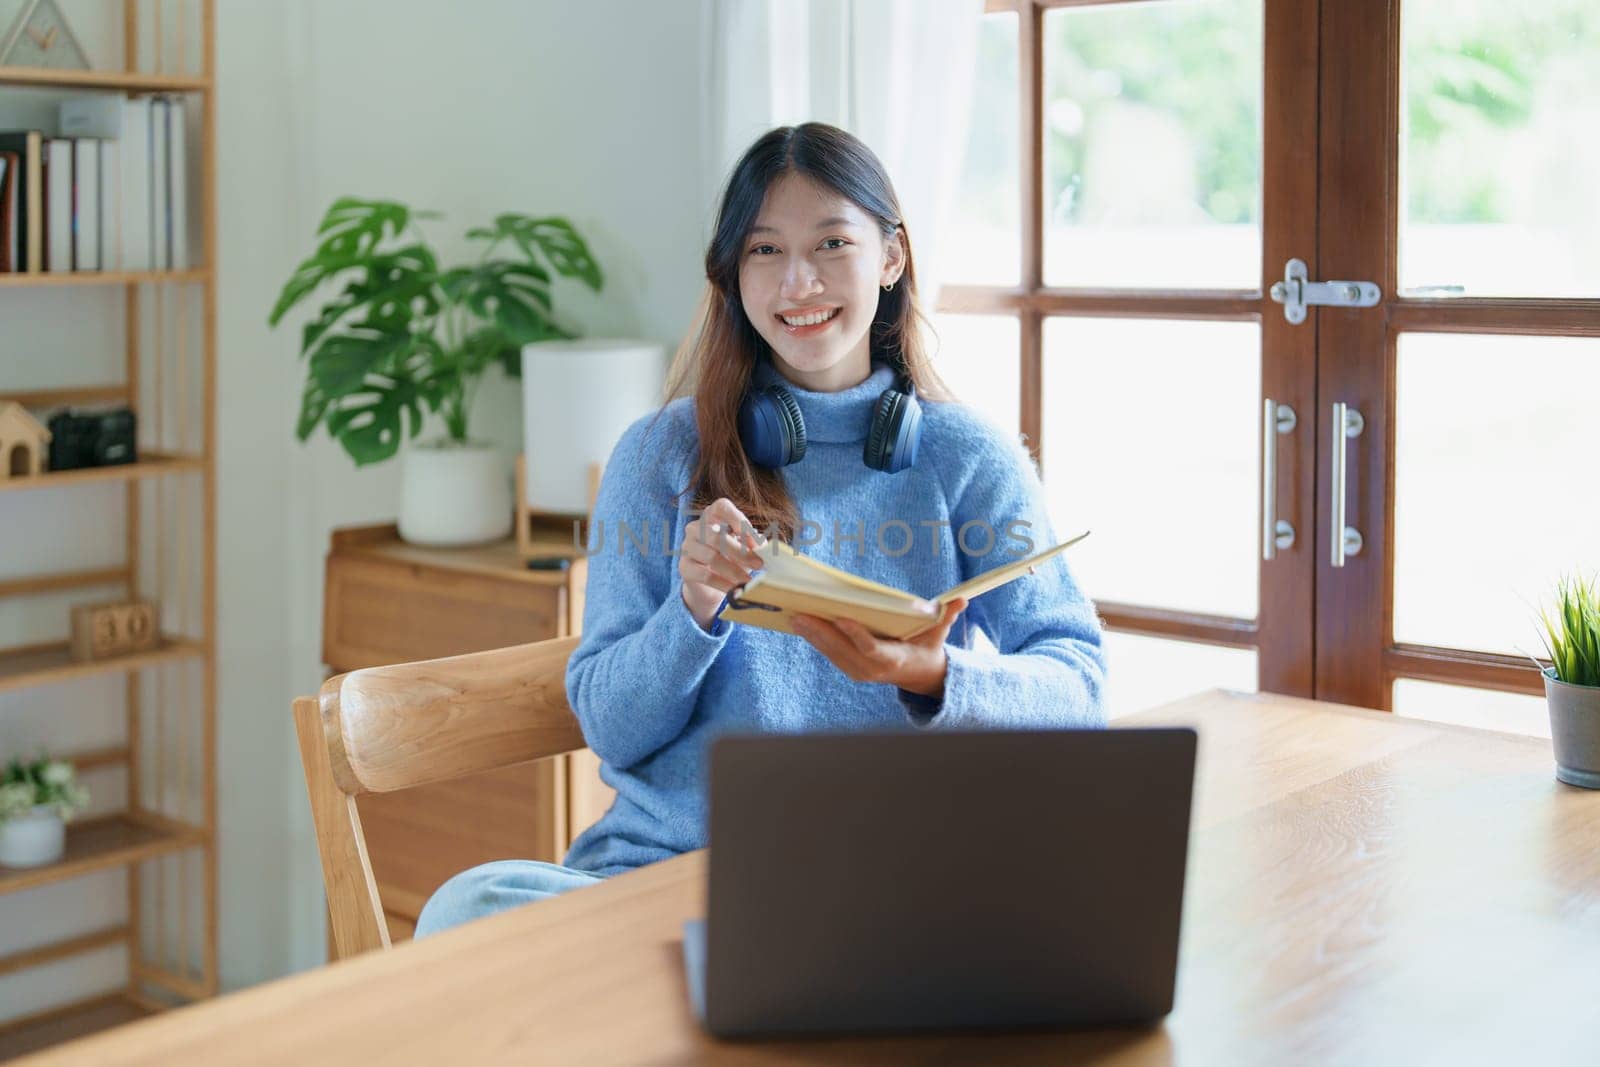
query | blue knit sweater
(652,689)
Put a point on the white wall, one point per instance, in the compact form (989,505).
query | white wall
(589,109)
(256,388)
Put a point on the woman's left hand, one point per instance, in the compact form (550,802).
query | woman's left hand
(916,664)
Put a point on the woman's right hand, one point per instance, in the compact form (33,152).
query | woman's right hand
(718,554)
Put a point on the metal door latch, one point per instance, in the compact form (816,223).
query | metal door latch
(1295,293)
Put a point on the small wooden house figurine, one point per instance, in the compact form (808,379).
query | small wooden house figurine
(24,442)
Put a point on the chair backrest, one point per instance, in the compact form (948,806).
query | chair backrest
(382,729)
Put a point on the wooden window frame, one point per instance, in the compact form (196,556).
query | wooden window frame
(1358,659)
(1331,66)
(1281,631)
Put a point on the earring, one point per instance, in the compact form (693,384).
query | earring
(889,288)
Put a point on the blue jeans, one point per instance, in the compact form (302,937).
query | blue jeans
(492,887)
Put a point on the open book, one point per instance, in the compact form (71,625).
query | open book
(790,582)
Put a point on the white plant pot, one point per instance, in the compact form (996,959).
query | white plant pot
(454,494)
(33,838)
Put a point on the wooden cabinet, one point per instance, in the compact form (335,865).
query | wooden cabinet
(389,602)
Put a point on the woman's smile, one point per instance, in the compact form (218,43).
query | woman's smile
(807,322)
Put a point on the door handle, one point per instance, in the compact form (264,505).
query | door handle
(1347,424)
(1276,534)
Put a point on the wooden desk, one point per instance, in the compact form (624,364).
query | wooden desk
(1363,889)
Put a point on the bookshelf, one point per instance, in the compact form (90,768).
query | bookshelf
(162,834)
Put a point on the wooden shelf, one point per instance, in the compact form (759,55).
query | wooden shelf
(52,583)
(46,664)
(69,1023)
(44,78)
(104,843)
(49,278)
(79,394)
(60,950)
(150,465)
(97,759)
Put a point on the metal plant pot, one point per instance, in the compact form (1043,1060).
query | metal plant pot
(1574,730)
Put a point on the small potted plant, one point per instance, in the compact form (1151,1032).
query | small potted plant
(37,800)
(405,336)
(1572,681)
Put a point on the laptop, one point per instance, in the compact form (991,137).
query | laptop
(957,880)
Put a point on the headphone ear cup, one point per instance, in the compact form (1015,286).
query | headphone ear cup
(794,425)
(771,428)
(908,436)
(881,430)
(895,432)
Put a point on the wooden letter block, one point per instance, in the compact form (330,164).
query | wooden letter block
(115,629)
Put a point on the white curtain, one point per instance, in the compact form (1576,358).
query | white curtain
(896,73)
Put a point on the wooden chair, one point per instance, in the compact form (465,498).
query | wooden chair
(388,728)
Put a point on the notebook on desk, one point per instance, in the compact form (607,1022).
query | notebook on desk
(911,881)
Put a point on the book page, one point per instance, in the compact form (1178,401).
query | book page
(788,579)
(998,576)
(790,568)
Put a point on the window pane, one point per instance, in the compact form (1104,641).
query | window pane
(1482,709)
(1142,672)
(980,357)
(1499,158)
(1153,145)
(1151,440)
(985,243)
(1495,491)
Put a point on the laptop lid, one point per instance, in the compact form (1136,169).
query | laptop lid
(904,881)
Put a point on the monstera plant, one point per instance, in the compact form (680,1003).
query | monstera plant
(403,335)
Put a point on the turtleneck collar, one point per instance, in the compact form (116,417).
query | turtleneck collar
(842,417)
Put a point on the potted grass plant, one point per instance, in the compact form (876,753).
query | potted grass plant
(1572,681)
(400,335)
(37,800)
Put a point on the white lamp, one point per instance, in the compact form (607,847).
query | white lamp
(578,398)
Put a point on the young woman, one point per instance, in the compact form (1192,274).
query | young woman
(816,416)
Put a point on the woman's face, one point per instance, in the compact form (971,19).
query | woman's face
(809,274)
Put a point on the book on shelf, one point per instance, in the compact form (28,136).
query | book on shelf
(58,196)
(111,211)
(178,185)
(160,242)
(85,204)
(789,583)
(28,199)
(109,192)
(9,162)
(137,190)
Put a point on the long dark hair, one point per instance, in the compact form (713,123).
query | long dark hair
(719,354)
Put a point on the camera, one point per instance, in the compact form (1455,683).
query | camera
(92,439)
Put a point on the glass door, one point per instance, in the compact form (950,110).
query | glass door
(1472,202)
(1139,175)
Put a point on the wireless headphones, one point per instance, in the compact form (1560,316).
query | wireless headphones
(774,434)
